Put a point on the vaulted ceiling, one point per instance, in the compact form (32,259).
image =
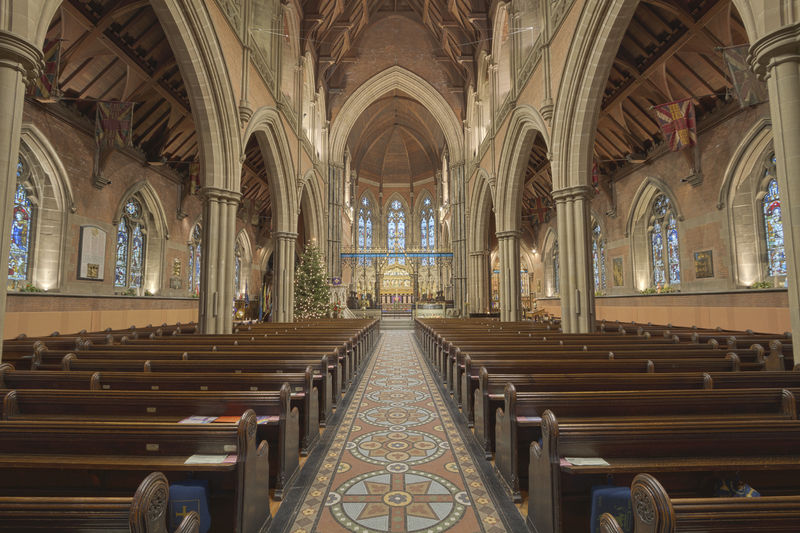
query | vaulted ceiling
(396,140)
(332,28)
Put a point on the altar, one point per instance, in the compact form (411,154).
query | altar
(397,288)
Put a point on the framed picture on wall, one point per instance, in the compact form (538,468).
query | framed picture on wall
(704,264)
(92,253)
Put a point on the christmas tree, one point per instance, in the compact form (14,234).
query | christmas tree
(311,291)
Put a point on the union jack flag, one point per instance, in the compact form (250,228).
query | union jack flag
(114,124)
(45,87)
(677,123)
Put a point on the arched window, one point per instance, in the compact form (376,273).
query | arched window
(19,253)
(427,229)
(129,267)
(365,226)
(396,230)
(664,243)
(598,257)
(556,270)
(194,259)
(773,230)
(237,270)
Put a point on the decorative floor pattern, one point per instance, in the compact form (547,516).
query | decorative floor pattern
(397,462)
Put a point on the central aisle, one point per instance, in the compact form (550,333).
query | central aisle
(397,462)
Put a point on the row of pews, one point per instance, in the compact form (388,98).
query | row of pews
(97,425)
(662,415)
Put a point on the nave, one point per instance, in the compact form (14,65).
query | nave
(398,461)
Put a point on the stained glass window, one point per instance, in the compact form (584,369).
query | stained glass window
(556,270)
(664,250)
(129,264)
(19,253)
(365,227)
(194,259)
(598,257)
(427,229)
(396,230)
(773,230)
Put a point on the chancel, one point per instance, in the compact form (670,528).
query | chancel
(400,265)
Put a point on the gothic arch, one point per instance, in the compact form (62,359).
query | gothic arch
(313,207)
(396,77)
(267,126)
(526,123)
(481,206)
(548,246)
(502,54)
(649,187)
(54,203)
(157,231)
(245,261)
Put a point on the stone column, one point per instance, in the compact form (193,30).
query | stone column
(575,264)
(459,238)
(479,270)
(508,249)
(776,58)
(334,221)
(19,61)
(216,278)
(283,283)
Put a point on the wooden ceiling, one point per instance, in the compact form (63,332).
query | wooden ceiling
(117,50)
(669,52)
(332,27)
(396,140)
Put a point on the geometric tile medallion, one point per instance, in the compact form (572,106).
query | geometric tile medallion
(397,462)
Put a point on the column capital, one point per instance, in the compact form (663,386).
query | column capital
(572,193)
(508,234)
(215,193)
(479,253)
(18,54)
(778,47)
(285,235)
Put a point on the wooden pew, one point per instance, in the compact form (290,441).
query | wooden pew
(519,422)
(110,456)
(685,453)
(278,422)
(144,512)
(656,512)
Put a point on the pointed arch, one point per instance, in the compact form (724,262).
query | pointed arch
(312,206)
(393,78)
(525,125)
(52,195)
(644,195)
(501,53)
(549,247)
(244,257)
(267,126)
(153,205)
(481,207)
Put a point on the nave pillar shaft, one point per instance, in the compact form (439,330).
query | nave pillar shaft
(575,265)
(19,61)
(776,58)
(479,267)
(335,174)
(459,238)
(216,279)
(285,243)
(508,250)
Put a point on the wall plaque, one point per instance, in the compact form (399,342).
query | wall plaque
(619,274)
(704,264)
(92,253)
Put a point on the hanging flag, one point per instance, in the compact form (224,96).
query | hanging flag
(45,87)
(114,124)
(596,176)
(749,89)
(677,123)
(194,177)
(541,210)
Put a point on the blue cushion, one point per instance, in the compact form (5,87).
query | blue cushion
(189,495)
(615,501)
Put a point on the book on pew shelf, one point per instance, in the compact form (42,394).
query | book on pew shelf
(200,459)
(198,420)
(268,419)
(228,419)
(615,501)
(586,461)
(186,496)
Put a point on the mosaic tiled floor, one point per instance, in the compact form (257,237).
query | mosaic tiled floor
(397,462)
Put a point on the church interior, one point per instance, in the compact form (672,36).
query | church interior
(400,265)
